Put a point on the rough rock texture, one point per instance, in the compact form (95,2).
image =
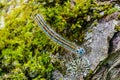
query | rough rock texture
(104,55)
(97,43)
(76,68)
(108,70)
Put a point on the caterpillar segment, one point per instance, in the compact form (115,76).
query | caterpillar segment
(56,37)
(55,34)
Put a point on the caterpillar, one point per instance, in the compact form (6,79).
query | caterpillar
(56,37)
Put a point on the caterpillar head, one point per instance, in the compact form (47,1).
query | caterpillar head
(81,51)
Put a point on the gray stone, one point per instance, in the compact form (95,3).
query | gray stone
(98,41)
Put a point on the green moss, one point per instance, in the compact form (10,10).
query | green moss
(1,5)
(119,16)
(64,19)
(95,23)
(22,43)
(117,28)
(112,10)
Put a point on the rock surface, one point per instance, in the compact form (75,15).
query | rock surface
(98,41)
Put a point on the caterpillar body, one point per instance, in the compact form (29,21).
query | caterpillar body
(56,37)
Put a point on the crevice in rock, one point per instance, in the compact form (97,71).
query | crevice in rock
(114,43)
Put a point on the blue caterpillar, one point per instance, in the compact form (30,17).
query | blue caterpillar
(57,38)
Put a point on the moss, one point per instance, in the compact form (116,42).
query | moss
(64,19)
(112,10)
(22,44)
(119,16)
(95,23)
(117,28)
(1,5)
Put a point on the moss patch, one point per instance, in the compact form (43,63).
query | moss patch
(117,28)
